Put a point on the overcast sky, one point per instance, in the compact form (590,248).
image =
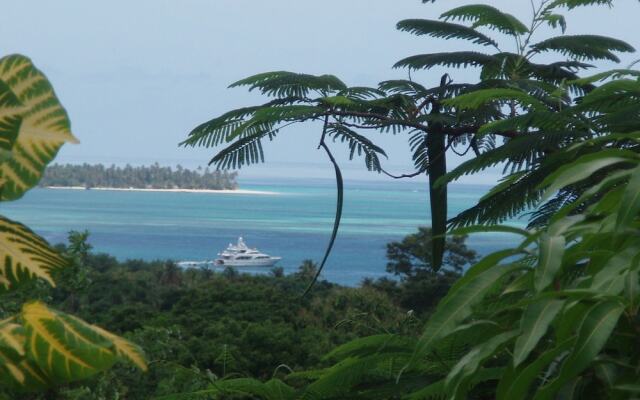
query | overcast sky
(136,76)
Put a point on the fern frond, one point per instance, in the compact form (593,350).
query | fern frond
(481,97)
(445,30)
(485,15)
(603,76)
(522,152)
(217,130)
(541,216)
(288,84)
(571,4)
(520,195)
(458,59)
(362,93)
(584,47)
(357,144)
(611,96)
(406,87)
(245,151)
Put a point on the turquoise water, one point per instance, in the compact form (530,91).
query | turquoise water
(295,224)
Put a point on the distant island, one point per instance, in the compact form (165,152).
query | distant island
(153,177)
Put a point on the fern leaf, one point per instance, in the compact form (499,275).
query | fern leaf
(457,59)
(481,97)
(585,47)
(217,130)
(289,84)
(245,151)
(406,87)
(445,30)
(485,15)
(357,144)
(571,4)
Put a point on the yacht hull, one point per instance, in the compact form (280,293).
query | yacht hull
(270,262)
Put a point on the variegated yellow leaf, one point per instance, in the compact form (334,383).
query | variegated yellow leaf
(25,255)
(45,126)
(16,370)
(125,349)
(11,336)
(20,373)
(65,348)
(11,110)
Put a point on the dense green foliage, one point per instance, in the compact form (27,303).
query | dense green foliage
(412,257)
(141,177)
(199,326)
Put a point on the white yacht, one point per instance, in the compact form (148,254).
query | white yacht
(240,255)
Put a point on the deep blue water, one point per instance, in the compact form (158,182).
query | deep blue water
(295,224)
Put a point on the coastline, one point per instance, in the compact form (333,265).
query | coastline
(208,191)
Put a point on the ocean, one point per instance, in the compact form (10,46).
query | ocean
(295,224)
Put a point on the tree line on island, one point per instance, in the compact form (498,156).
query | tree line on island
(154,176)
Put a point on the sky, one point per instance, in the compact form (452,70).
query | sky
(137,76)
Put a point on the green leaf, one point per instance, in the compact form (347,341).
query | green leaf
(631,388)
(593,334)
(25,255)
(630,204)
(609,279)
(481,266)
(434,391)
(632,289)
(534,325)
(446,30)
(485,15)
(520,284)
(469,364)
(583,168)
(457,305)
(371,344)
(44,129)
(516,382)
(549,260)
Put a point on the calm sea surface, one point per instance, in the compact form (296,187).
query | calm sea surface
(295,224)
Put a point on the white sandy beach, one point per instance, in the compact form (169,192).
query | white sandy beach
(211,191)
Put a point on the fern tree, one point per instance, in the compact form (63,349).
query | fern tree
(437,119)
(40,347)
